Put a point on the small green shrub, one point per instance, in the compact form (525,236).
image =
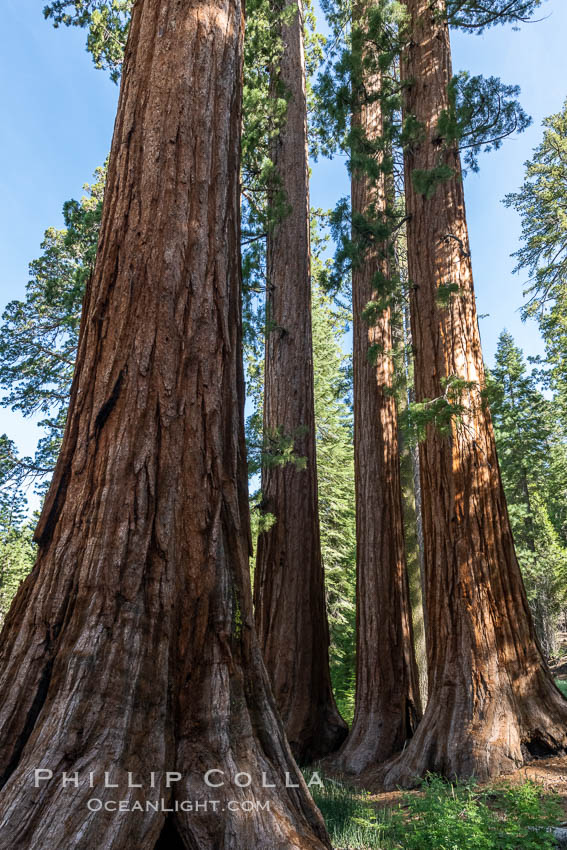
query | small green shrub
(447,816)
(441,816)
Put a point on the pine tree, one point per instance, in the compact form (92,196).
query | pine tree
(409,462)
(38,348)
(335,468)
(38,336)
(17,552)
(107,22)
(522,419)
(541,203)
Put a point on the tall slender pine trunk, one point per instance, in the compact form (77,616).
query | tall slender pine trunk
(492,701)
(387,707)
(412,519)
(131,646)
(289,588)
(411,487)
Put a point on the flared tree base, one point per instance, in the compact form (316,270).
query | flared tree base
(507,731)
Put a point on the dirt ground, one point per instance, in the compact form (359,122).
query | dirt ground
(550,772)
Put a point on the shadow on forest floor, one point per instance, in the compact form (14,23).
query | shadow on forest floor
(510,814)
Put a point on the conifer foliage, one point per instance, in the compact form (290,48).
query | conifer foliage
(542,258)
(533,461)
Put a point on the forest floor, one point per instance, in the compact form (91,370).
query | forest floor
(550,773)
(512,813)
(518,811)
(515,812)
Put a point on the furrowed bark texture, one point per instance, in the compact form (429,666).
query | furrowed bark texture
(413,557)
(387,707)
(131,646)
(411,500)
(289,587)
(492,701)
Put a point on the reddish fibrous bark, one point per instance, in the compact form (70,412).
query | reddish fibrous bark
(289,586)
(131,646)
(387,707)
(492,701)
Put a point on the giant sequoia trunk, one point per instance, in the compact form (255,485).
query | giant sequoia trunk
(289,589)
(387,705)
(131,646)
(492,701)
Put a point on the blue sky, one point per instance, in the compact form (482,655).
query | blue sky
(58,113)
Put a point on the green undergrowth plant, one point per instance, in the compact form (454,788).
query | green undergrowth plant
(351,818)
(441,815)
(452,816)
